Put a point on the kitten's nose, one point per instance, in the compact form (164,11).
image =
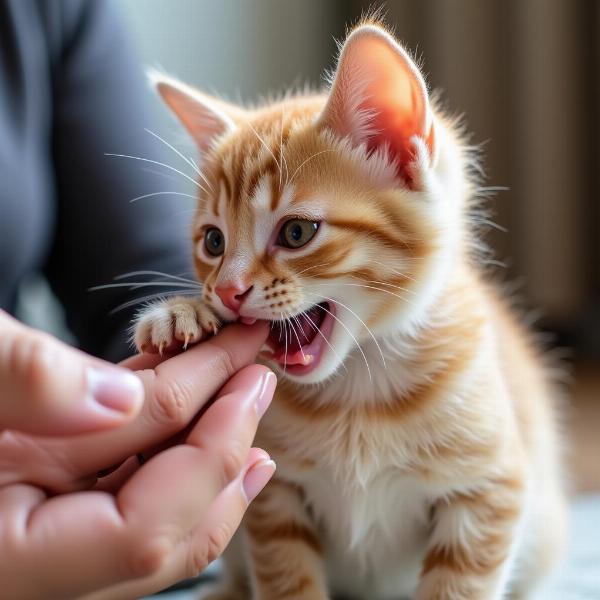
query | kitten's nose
(232,296)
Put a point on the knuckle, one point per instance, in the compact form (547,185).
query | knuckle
(29,458)
(170,404)
(209,548)
(16,454)
(225,363)
(31,363)
(233,459)
(150,556)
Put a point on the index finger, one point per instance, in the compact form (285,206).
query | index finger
(175,391)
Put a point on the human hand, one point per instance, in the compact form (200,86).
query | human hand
(49,388)
(150,525)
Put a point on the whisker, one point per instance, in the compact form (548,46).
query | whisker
(393,285)
(173,284)
(133,285)
(392,270)
(199,171)
(161,174)
(362,323)
(490,223)
(159,273)
(496,263)
(161,194)
(297,338)
(156,162)
(150,297)
(312,323)
(312,267)
(369,287)
(286,343)
(491,189)
(306,160)
(188,161)
(297,321)
(355,341)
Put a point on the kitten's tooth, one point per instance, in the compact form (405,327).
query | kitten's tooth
(308,359)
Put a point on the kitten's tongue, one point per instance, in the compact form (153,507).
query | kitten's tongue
(248,320)
(288,342)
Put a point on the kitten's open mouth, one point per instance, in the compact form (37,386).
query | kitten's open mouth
(298,343)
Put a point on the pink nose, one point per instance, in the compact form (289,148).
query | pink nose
(232,296)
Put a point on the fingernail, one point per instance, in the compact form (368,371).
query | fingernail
(265,395)
(116,389)
(257,477)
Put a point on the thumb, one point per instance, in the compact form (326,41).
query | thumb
(49,388)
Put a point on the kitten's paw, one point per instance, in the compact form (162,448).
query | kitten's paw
(173,323)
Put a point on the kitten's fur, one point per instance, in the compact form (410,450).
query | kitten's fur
(435,475)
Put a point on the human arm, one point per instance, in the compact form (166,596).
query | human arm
(101,104)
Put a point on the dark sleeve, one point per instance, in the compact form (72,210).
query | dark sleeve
(102,104)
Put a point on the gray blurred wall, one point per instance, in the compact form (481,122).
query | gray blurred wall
(239,48)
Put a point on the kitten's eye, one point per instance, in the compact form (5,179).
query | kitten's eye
(295,233)
(214,242)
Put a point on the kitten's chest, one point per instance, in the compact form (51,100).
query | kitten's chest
(388,509)
(360,486)
(368,503)
(374,533)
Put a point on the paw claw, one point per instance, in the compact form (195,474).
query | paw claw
(184,321)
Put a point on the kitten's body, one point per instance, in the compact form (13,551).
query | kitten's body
(371,475)
(419,457)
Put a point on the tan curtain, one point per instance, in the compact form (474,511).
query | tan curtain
(525,73)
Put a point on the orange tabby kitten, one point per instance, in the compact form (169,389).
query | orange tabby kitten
(413,423)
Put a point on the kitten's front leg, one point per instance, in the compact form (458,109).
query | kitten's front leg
(286,556)
(469,550)
(172,323)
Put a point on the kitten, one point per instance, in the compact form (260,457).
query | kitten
(413,423)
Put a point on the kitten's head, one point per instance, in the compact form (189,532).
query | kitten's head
(336,216)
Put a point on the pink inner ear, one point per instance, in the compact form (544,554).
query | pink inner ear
(396,94)
(202,122)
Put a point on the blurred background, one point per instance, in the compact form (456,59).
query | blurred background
(525,76)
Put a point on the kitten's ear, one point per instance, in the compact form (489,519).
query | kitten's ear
(378,97)
(206,118)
